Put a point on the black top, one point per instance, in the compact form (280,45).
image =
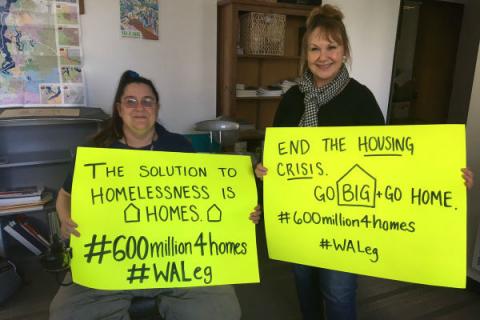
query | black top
(354,106)
(166,141)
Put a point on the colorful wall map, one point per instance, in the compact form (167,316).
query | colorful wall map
(40,55)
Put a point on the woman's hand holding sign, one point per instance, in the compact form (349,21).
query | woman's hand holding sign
(260,171)
(255,215)
(67,225)
(468,177)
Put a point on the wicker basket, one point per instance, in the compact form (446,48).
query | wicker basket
(263,34)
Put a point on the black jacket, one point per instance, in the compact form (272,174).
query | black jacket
(354,106)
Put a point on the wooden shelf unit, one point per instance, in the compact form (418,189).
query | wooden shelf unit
(255,70)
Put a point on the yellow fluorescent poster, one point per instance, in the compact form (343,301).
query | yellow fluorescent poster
(152,219)
(386,201)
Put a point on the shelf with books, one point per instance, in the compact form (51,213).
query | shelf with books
(23,234)
(25,237)
(24,209)
(10,205)
(36,149)
(20,195)
(262,62)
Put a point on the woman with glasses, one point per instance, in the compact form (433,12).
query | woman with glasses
(134,126)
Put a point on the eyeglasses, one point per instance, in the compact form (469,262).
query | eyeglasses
(146,102)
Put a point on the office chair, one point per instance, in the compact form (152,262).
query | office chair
(144,308)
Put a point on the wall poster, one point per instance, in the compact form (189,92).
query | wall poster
(139,19)
(40,54)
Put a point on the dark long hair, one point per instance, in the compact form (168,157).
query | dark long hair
(112,130)
(330,19)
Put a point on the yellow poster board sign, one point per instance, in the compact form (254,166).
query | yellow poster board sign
(150,219)
(385,201)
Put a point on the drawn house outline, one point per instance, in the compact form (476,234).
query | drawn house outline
(131,213)
(214,214)
(357,173)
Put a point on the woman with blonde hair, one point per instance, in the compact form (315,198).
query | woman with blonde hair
(327,96)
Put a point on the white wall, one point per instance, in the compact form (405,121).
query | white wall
(182,63)
(372,28)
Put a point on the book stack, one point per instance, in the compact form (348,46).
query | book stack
(23,199)
(243,91)
(26,234)
(276,90)
(270,91)
(287,84)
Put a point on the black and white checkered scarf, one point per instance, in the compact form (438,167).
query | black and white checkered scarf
(315,97)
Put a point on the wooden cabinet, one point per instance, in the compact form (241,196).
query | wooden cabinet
(255,70)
